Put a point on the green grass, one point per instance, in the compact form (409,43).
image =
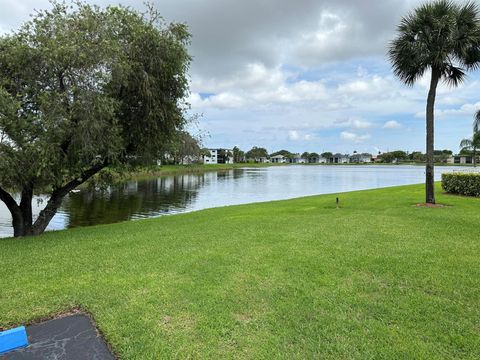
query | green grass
(298,279)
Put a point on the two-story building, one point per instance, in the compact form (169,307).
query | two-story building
(219,156)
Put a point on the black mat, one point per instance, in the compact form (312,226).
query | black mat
(70,338)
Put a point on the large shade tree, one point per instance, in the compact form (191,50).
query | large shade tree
(82,88)
(441,38)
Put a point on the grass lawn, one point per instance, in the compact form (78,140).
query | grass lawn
(296,279)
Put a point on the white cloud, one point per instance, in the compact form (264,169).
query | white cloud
(392,124)
(298,66)
(354,123)
(465,110)
(350,136)
(295,135)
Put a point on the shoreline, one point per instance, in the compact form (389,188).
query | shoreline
(171,170)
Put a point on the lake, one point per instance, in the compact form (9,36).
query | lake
(183,193)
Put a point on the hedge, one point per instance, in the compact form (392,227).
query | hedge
(461,183)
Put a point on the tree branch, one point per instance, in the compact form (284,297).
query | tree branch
(87,174)
(9,201)
(57,196)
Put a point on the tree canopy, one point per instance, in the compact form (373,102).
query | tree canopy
(256,153)
(83,87)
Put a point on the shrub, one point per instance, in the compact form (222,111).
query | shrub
(461,183)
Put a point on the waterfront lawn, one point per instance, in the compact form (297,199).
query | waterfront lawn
(378,278)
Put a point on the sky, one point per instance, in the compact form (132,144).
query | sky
(304,75)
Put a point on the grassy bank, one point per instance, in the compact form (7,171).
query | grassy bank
(377,278)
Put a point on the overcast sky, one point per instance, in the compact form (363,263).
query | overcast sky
(305,75)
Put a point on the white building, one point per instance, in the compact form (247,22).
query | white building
(219,156)
(317,160)
(262,160)
(277,159)
(339,159)
(297,159)
(361,158)
(461,159)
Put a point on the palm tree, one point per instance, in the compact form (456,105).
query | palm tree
(472,144)
(441,37)
(476,122)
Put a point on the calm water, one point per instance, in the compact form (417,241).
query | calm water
(182,193)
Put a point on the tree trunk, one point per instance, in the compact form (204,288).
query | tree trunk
(474,156)
(26,209)
(47,214)
(22,214)
(429,169)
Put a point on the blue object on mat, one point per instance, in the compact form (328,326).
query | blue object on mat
(13,339)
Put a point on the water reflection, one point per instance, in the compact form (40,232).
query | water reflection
(173,194)
(132,200)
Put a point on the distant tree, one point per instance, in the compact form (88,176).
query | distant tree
(82,88)
(399,155)
(224,156)
(472,145)
(417,156)
(238,155)
(305,155)
(285,153)
(313,155)
(205,152)
(441,156)
(327,155)
(387,157)
(476,122)
(256,153)
(443,37)
(184,147)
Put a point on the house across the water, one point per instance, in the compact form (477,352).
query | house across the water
(461,159)
(219,156)
(361,158)
(278,159)
(297,159)
(339,159)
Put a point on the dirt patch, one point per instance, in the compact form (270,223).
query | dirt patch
(426,205)
(242,318)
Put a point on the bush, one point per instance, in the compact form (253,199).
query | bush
(461,183)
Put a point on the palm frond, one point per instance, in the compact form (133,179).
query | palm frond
(476,122)
(453,75)
(476,140)
(466,144)
(439,35)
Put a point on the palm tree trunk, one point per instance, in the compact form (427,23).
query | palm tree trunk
(474,156)
(429,170)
